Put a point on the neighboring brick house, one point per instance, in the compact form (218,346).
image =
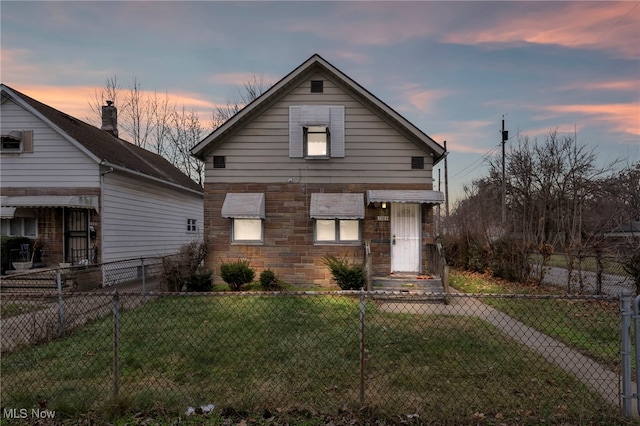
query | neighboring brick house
(84,194)
(318,165)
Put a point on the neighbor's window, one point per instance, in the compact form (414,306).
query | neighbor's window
(19,227)
(337,230)
(247,230)
(12,142)
(316,141)
(192,225)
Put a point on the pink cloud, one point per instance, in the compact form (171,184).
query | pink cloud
(624,118)
(467,136)
(74,100)
(609,25)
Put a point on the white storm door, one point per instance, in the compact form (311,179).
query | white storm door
(405,237)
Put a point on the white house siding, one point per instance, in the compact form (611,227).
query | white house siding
(375,151)
(54,163)
(141,218)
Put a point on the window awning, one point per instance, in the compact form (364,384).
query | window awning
(245,205)
(8,212)
(40,201)
(337,206)
(405,196)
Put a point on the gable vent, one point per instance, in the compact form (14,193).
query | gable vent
(317,86)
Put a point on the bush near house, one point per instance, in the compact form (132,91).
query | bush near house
(268,281)
(184,271)
(236,273)
(348,277)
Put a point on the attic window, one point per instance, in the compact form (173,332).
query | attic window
(219,161)
(12,141)
(317,86)
(417,163)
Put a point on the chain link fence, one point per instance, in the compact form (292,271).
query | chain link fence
(474,359)
(584,273)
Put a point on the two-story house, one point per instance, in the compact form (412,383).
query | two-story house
(318,165)
(86,195)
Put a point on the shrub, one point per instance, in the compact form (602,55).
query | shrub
(510,260)
(268,281)
(346,276)
(200,281)
(236,273)
(179,270)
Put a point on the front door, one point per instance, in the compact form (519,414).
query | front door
(76,234)
(405,238)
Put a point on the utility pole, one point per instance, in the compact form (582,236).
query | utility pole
(446,181)
(439,221)
(505,136)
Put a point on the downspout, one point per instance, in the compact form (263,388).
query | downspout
(107,171)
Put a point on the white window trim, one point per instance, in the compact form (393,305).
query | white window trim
(192,226)
(5,225)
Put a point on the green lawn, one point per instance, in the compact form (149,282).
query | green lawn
(293,354)
(590,326)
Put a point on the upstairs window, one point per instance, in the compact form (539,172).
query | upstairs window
(316,131)
(17,141)
(192,225)
(316,141)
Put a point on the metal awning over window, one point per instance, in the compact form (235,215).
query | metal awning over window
(337,206)
(8,212)
(39,201)
(405,196)
(246,205)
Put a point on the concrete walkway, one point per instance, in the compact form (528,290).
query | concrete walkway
(55,318)
(598,378)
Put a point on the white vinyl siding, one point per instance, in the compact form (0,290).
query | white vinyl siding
(141,218)
(374,151)
(53,163)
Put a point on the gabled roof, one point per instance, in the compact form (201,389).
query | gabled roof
(311,65)
(103,147)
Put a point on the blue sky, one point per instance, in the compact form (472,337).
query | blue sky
(451,68)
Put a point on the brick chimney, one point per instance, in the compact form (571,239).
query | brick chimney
(110,118)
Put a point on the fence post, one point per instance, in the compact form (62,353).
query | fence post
(362,348)
(636,333)
(116,344)
(60,303)
(144,281)
(625,352)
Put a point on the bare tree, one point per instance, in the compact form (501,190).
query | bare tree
(154,122)
(250,90)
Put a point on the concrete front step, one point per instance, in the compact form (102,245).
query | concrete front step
(408,283)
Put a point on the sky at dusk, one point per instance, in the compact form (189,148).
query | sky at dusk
(453,69)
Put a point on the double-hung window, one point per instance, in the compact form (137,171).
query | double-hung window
(337,218)
(247,213)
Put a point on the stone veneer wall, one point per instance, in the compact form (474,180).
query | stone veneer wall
(50,225)
(288,248)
